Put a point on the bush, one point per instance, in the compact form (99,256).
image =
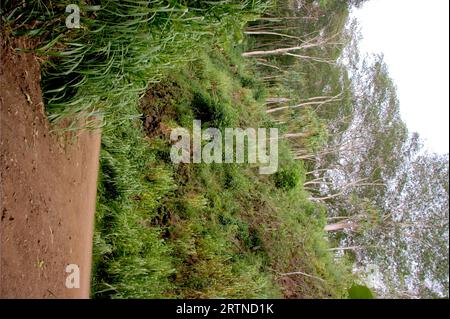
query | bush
(247,81)
(287,178)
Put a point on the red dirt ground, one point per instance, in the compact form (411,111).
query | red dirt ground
(48,189)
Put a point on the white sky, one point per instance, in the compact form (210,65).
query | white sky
(413,35)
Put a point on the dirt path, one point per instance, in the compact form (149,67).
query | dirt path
(48,190)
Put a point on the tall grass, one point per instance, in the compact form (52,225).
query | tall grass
(120,47)
(204,231)
(178,231)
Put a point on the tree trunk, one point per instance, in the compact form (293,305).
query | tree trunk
(271,33)
(341,226)
(345,248)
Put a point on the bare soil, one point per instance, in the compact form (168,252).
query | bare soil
(157,106)
(48,187)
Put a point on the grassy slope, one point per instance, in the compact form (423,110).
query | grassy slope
(205,230)
(186,231)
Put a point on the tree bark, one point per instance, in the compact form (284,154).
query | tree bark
(341,226)
(345,248)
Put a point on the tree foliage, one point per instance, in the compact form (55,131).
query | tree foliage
(387,199)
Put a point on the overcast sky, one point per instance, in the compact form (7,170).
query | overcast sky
(413,35)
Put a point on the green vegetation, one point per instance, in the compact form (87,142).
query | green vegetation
(202,230)
(189,230)
(386,198)
(360,292)
(224,231)
(120,47)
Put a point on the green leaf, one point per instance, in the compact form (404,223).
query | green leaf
(360,292)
